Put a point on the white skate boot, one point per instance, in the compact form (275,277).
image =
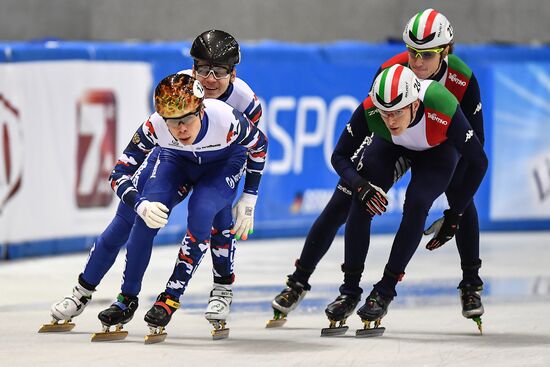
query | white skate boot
(218,309)
(66,309)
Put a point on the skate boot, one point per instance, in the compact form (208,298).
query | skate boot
(159,316)
(286,301)
(472,308)
(374,309)
(337,312)
(218,309)
(63,311)
(118,314)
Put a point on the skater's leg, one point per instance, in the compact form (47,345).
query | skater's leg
(222,247)
(105,250)
(322,233)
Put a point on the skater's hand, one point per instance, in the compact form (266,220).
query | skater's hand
(243,214)
(154,214)
(443,229)
(372,197)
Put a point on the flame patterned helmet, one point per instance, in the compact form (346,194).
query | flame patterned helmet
(428,29)
(178,95)
(394,88)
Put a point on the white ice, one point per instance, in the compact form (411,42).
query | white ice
(424,326)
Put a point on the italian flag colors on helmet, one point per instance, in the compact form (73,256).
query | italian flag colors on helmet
(428,29)
(395,88)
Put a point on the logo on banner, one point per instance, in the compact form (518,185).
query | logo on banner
(96,147)
(11,151)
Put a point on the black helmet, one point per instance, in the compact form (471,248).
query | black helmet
(216,47)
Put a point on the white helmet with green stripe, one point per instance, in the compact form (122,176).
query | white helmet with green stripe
(428,29)
(394,88)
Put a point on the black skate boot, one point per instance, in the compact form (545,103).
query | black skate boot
(374,309)
(472,308)
(337,312)
(159,316)
(286,301)
(118,314)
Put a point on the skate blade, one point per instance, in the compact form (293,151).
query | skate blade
(218,334)
(479,323)
(155,338)
(105,336)
(334,331)
(369,333)
(275,323)
(56,327)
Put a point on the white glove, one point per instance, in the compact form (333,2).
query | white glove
(243,213)
(154,214)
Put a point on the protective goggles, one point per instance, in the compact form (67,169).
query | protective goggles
(394,114)
(185,119)
(424,54)
(219,72)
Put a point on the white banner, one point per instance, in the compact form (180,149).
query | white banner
(62,126)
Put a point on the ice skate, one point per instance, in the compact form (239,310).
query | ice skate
(374,309)
(472,308)
(62,312)
(286,301)
(218,309)
(118,314)
(337,312)
(159,316)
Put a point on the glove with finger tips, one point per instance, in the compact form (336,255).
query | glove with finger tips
(154,214)
(443,229)
(372,197)
(243,214)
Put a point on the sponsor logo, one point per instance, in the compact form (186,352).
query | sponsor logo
(96,126)
(233,180)
(478,108)
(11,151)
(433,116)
(209,146)
(344,189)
(348,128)
(469,135)
(454,78)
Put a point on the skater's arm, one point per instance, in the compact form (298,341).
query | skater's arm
(344,156)
(462,135)
(251,137)
(142,142)
(471,106)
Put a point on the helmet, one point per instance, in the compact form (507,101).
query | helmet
(216,47)
(428,29)
(395,88)
(178,95)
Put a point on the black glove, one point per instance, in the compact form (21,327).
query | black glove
(443,229)
(372,197)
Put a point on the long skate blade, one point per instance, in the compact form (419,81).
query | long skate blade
(105,336)
(55,328)
(369,333)
(275,323)
(477,320)
(220,334)
(155,338)
(334,331)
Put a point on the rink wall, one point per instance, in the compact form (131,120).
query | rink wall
(68,109)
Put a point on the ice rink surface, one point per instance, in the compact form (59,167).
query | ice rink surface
(424,326)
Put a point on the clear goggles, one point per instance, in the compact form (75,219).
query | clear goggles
(218,71)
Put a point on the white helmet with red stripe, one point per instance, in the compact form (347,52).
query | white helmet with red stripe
(428,29)
(394,88)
